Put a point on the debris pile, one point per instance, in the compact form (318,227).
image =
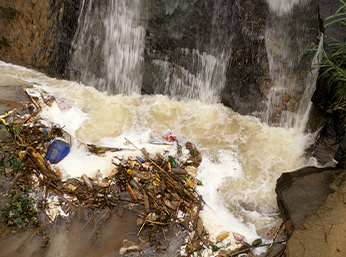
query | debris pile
(164,185)
(161,188)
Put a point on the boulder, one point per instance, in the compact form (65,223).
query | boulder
(312,201)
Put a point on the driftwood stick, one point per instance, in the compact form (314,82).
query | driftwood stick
(2,117)
(22,247)
(32,100)
(28,118)
(276,234)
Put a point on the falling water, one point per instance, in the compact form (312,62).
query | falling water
(289,36)
(108,46)
(281,7)
(242,156)
(115,48)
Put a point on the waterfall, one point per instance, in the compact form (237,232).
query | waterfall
(108,46)
(153,47)
(123,48)
(289,36)
(281,7)
(182,49)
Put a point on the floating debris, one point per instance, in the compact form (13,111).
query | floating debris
(160,187)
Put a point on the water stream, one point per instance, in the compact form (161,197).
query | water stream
(242,156)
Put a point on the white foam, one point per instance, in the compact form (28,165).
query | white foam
(281,7)
(70,120)
(242,158)
(216,217)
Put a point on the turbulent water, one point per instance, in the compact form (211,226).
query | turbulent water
(242,157)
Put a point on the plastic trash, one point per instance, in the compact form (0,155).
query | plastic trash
(100,179)
(239,237)
(195,181)
(179,171)
(87,181)
(128,245)
(145,165)
(170,138)
(257,241)
(223,235)
(44,130)
(189,183)
(184,159)
(63,105)
(57,151)
(116,161)
(172,161)
(134,184)
(135,174)
(191,170)
(140,159)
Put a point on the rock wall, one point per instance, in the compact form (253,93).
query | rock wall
(38,34)
(312,202)
(269,61)
(247,77)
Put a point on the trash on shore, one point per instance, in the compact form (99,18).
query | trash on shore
(162,186)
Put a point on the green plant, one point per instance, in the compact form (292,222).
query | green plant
(21,211)
(335,64)
(11,127)
(15,163)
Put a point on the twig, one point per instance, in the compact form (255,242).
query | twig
(32,100)
(197,213)
(22,247)
(22,82)
(246,250)
(2,117)
(28,118)
(149,159)
(163,230)
(262,245)
(276,234)
(141,227)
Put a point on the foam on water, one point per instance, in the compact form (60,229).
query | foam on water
(281,7)
(242,157)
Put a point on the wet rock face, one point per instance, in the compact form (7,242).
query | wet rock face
(182,36)
(247,73)
(312,201)
(38,34)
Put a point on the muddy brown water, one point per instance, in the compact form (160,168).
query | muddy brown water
(72,239)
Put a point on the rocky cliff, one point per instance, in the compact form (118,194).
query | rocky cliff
(38,34)
(312,202)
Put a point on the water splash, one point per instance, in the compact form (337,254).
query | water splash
(282,7)
(204,82)
(288,41)
(124,47)
(108,46)
(113,49)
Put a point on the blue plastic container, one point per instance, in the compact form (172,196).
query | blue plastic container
(57,151)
